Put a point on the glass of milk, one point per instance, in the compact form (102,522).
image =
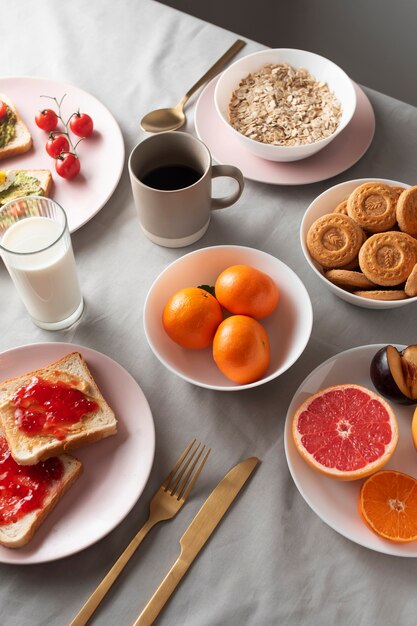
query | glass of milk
(35,246)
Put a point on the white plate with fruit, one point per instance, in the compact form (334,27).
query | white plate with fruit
(100,154)
(381,370)
(287,326)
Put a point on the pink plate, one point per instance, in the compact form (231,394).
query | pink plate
(116,469)
(101,155)
(343,152)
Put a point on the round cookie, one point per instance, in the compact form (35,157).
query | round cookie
(348,279)
(334,240)
(341,208)
(353,265)
(388,258)
(396,294)
(407,211)
(372,206)
(411,284)
(397,191)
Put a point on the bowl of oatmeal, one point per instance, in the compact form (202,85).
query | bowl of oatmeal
(285,104)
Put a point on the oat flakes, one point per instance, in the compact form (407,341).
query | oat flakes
(284,106)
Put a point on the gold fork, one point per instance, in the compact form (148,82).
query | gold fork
(165,504)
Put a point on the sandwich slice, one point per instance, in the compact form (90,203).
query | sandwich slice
(29,493)
(19,183)
(52,410)
(15,137)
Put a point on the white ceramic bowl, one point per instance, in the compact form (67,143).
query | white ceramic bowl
(319,67)
(288,327)
(325,203)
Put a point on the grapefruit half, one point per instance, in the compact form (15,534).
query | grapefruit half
(345,432)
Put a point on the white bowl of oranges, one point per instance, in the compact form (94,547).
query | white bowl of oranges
(255,328)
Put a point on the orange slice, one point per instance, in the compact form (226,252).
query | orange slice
(388,505)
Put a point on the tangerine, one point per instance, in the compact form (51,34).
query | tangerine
(388,505)
(345,432)
(414,428)
(241,349)
(191,317)
(245,290)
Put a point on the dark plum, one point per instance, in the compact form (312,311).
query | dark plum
(409,361)
(388,375)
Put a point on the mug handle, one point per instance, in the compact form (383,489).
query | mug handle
(233,172)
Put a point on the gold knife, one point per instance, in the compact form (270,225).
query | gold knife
(196,535)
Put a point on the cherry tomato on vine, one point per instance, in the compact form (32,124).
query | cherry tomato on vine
(56,144)
(81,124)
(47,119)
(67,165)
(3,109)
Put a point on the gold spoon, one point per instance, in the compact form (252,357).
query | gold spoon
(172,118)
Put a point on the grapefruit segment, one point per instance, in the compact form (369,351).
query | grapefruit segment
(346,431)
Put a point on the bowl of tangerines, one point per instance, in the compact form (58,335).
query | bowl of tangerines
(227,317)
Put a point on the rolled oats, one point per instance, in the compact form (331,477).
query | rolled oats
(284,106)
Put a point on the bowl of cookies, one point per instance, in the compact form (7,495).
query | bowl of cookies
(360,239)
(284,104)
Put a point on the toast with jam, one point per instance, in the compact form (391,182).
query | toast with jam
(29,493)
(15,137)
(53,410)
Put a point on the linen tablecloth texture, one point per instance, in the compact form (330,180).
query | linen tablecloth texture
(272,560)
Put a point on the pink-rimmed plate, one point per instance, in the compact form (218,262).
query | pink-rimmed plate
(343,152)
(116,469)
(334,501)
(101,155)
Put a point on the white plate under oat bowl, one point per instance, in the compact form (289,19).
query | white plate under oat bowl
(288,327)
(325,203)
(322,70)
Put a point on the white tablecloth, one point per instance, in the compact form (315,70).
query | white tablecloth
(272,560)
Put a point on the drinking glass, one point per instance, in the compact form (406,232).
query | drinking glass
(35,245)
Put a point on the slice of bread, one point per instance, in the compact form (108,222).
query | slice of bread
(17,534)
(43,176)
(27,449)
(22,141)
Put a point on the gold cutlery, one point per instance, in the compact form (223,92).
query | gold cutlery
(197,534)
(173,117)
(164,505)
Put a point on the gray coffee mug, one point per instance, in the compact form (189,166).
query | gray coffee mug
(176,217)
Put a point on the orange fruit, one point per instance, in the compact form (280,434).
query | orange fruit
(414,428)
(388,505)
(241,349)
(244,290)
(345,432)
(191,317)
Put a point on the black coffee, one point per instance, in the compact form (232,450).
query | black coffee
(171,177)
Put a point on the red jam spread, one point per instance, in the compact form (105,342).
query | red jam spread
(23,488)
(50,408)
